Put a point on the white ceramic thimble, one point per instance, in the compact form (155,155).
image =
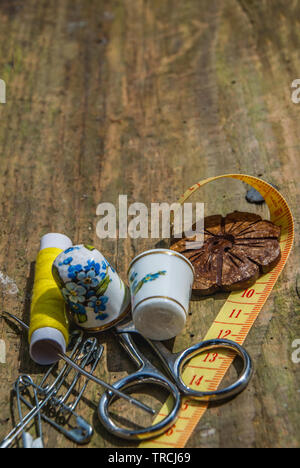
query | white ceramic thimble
(96,295)
(160,282)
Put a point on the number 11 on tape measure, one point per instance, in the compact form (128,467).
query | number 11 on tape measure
(233,322)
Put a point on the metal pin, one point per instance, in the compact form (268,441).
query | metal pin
(28,441)
(89,376)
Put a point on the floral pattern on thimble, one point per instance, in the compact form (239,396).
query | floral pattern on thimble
(83,282)
(136,285)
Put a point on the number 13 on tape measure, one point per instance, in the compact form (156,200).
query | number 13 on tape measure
(233,322)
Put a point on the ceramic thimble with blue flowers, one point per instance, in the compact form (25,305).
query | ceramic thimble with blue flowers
(95,294)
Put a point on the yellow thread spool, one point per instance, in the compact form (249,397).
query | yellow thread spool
(48,329)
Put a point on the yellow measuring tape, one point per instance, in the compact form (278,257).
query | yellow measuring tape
(234,321)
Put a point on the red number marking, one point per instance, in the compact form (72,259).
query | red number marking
(171,430)
(224,333)
(234,314)
(198,381)
(214,357)
(248,293)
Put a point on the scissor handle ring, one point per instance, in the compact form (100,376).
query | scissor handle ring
(129,382)
(234,389)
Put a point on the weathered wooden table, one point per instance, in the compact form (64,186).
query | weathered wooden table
(144,99)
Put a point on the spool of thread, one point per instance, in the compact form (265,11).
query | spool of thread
(48,329)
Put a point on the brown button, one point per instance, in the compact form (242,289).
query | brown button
(237,250)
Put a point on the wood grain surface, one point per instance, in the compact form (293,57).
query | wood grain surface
(145,98)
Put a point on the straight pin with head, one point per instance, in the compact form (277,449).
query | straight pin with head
(90,376)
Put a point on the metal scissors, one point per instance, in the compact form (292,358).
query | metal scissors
(174,364)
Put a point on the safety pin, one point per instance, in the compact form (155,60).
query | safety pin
(80,434)
(84,361)
(28,441)
(7,441)
(98,355)
(59,402)
(83,432)
(89,376)
(65,369)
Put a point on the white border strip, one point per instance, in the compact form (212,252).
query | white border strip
(2,352)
